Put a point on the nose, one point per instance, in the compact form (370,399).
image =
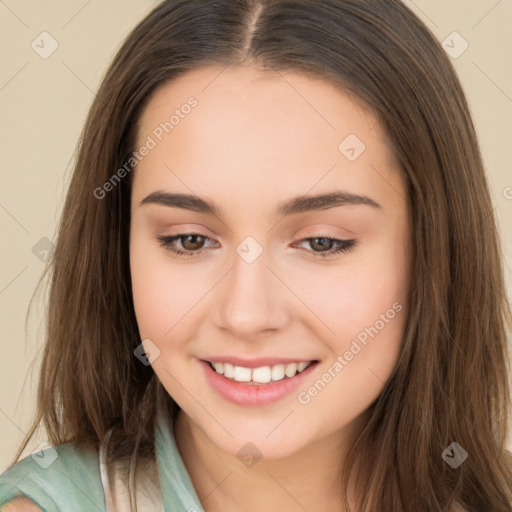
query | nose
(251,301)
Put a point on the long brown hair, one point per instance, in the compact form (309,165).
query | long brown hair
(451,382)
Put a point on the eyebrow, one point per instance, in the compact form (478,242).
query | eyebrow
(299,204)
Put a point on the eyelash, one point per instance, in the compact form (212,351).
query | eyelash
(343,245)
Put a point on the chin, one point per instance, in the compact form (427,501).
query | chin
(262,440)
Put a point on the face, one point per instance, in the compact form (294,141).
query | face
(282,318)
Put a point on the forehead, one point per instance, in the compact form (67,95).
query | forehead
(251,130)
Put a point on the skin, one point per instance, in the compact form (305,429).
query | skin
(20,504)
(253,141)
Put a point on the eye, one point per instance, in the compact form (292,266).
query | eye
(329,246)
(192,244)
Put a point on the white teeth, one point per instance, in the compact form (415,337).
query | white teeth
(241,374)
(261,375)
(228,370)
(302,366)
(278,372)
(290,369)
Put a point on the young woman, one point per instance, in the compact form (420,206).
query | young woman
(277,281)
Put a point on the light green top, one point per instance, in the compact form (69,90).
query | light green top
(65,479)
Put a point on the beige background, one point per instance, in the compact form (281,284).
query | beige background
(43,104)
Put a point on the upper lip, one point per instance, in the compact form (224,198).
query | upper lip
(256,363)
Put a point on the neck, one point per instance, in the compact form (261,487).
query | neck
(308,479)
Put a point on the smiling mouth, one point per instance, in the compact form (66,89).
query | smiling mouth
(261,375)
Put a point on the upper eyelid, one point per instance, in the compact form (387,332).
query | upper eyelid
(195,233)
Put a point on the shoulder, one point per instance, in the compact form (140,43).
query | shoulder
(20,504)
(54,479)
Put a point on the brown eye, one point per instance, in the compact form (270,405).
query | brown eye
(321,244)
(191,243)
(324,247)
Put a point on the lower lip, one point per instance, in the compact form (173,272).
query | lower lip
(254,395)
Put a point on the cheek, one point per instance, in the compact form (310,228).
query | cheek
(161,296)
(360,292)
(368,318)
(365,305)
(164,296)
(170,304)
